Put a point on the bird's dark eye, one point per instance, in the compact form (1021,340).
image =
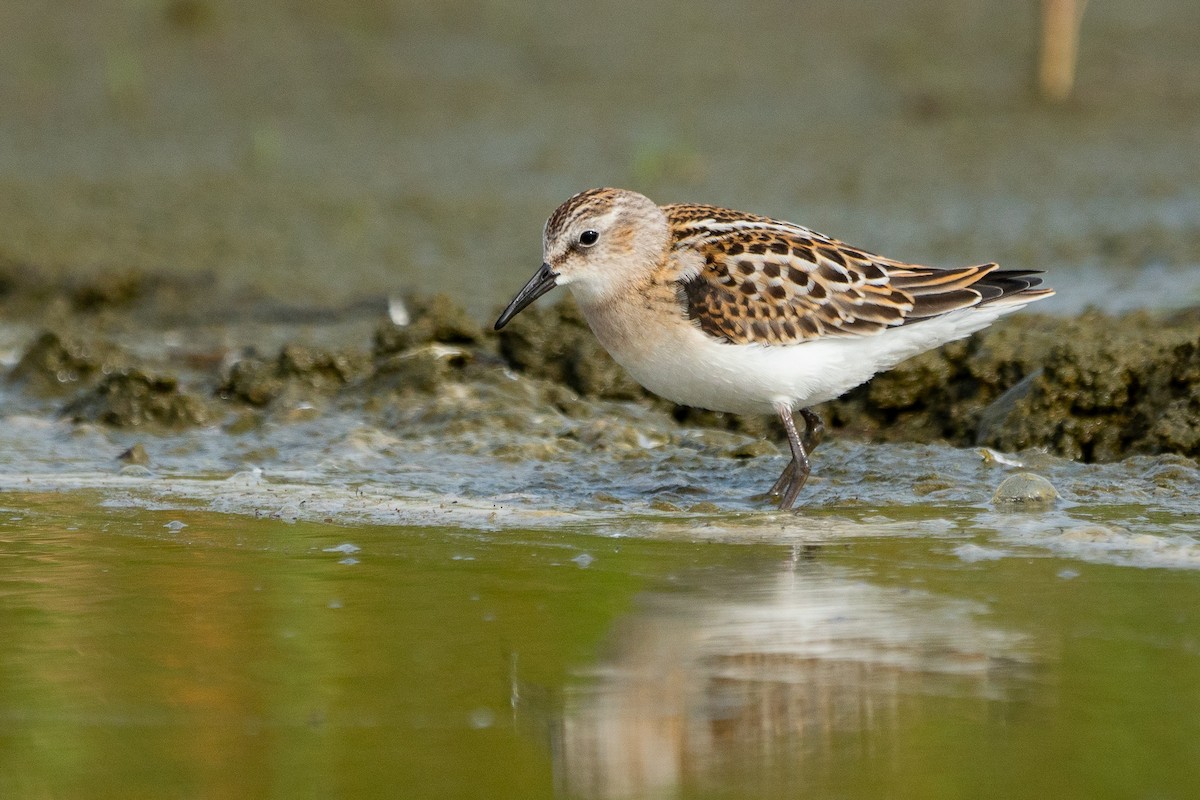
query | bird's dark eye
(588,238)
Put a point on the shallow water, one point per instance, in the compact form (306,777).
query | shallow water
(190,653)
(488,455)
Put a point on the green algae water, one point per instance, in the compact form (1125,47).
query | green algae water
(190,654)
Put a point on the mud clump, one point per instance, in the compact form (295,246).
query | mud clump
(298,373)
(432,342)
(1109,390)
(419,369)
(556,344)
(425,321)
(109,385)
(1090,388)
(59,363)
(135,398)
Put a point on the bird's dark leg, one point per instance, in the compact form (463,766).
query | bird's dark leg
(796,472)
(814,432)
(814,429)
(784,478)
(799,466)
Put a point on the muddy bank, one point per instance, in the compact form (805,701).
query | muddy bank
(1093,387)
(1090,388)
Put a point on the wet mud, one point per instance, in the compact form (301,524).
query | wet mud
(1093,387)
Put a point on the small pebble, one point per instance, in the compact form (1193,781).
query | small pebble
(583,560)
(175,526)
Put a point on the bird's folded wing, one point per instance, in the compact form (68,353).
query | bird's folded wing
(772,282)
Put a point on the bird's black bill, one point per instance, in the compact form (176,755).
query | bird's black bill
(542,281)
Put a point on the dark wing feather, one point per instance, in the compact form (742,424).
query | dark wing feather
(773,282)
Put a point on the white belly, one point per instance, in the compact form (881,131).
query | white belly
(676,360)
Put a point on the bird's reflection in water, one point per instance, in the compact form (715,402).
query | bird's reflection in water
(767,672)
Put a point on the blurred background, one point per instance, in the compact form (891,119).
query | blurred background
(325,152)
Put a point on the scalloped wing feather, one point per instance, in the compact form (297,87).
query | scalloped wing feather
(773,282)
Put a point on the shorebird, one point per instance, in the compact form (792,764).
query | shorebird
(740,313)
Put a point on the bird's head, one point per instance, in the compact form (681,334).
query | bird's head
(599,242)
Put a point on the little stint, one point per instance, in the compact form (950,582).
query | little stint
(735,312)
